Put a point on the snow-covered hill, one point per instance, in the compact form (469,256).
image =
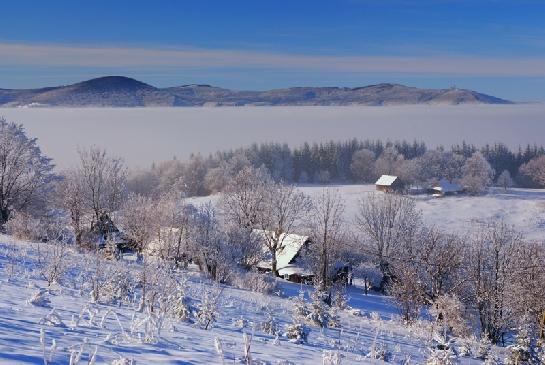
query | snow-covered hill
(70,325)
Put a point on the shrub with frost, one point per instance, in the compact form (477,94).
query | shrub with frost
(300,309)
(442,352)
(340,297)
(39,298)
(256,282)
(207,309)
(118,287)
(181,308)
(297,332)
(270,325)
(318,312)
(23,226)
(448,312)
(331,357)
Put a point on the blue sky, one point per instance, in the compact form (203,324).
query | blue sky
(493,46)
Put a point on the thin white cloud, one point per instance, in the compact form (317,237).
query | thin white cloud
(61,55)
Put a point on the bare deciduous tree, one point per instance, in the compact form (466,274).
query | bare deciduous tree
(284,211)
(493,268)
(386,220)
(327,225)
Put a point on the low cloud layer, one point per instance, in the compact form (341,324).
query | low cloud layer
(144,135)
(108,57)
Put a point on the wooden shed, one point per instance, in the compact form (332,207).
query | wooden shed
(389,184)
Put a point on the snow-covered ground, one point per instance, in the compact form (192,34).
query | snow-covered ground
(114,332)
(522,208)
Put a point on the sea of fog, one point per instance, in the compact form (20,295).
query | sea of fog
(144,135)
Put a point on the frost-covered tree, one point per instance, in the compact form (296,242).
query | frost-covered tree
(207,244)
(362,165)
(284,210)
(140,219)
(504,180)
(70,197)
(534,171)
(385,220)
(328,233)
(242,205)
(26,173)
(493,271)
(218,177)
(477,174)
(388,162)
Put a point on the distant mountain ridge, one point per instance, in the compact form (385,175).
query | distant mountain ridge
(120,91)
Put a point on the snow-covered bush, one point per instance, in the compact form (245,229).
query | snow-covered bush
(318,312)
(464,347)
(207,313)
(340,297)
(22,225)
(442,352)
(300,309)
(297,332)
(332,357)
(118,287)
(54,262)
(256,282)
(379,351)
(181,308)
(270,325)
(39,298)
(448,312)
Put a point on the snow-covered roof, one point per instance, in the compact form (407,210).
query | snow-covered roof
(291,245)
(386,180)
(445,186)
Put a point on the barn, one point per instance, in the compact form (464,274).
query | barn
(389,184)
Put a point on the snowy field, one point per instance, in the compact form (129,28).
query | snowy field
(144,135)
(82,328)
(522,208)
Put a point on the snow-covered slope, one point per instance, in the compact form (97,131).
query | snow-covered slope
(119,331)
(522,208)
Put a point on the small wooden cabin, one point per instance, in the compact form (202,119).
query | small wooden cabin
(389,184)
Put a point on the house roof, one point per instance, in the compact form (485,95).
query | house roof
(445,186)
(386,180)
(291,245)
